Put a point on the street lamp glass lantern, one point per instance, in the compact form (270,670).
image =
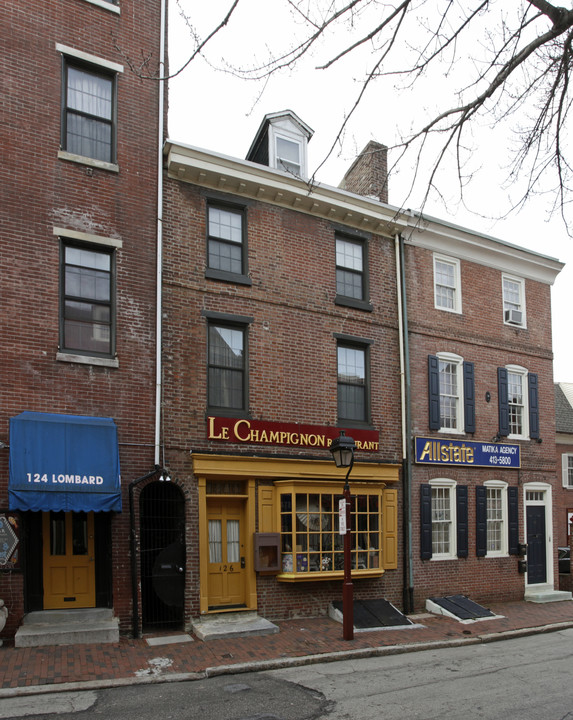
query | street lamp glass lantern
(342,449)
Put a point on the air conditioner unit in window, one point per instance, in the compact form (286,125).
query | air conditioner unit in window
(515,317)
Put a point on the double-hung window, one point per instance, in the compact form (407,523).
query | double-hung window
(451,393)
(89,112)
(227,378)
(513,301)
(496,518)
(567,470)
(353,381)
(444,520)
(447,284)
(87,304)
(496,522)
(518,402)
(226,244)
(288,155)
(351,273)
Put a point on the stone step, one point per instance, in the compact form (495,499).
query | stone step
(546,596)
(67,627)
(229,625)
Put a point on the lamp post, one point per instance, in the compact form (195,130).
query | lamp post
(342,449)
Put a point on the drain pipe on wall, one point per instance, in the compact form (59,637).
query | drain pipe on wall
(408,574)
(158,326)
(159,279)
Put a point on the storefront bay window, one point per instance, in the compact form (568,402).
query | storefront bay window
(311,545)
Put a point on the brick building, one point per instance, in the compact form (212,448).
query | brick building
(564,459)
(292,313)
(281,329)
(482,476)
(79,188)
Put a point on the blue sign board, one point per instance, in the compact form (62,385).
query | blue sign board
(63,462)
(464,453)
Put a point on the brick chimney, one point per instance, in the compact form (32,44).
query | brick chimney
(368,174)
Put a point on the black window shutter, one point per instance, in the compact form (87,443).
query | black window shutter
(533,406)
(513,520)
(434,392)
(462,519)
(426,522)
(481,521)
(503,398)
(469,398)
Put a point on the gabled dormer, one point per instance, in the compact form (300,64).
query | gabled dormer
(281,143)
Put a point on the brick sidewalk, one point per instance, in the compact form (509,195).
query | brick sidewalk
(137,661)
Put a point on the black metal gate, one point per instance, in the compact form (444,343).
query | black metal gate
(162,554)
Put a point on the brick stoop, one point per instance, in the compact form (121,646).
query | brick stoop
(67,627)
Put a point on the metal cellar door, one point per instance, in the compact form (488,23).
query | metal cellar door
(162,554)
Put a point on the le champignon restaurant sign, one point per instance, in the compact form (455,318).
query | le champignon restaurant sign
(257,432)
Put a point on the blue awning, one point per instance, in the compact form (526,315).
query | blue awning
(63,462)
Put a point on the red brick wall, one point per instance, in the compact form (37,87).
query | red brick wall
(563,496)
(39,192)
(478,335)
(292,355)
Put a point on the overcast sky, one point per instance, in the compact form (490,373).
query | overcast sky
(214,110)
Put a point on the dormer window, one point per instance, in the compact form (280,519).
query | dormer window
(281,143)
(288,155)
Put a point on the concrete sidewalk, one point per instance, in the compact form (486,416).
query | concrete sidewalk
(179,656)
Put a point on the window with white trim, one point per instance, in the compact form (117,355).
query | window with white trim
(567,470)
(447,284)
(288,155)
(517,402)
(443,519)
(496,518)
(513,301)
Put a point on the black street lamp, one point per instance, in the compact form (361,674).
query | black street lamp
(342,449)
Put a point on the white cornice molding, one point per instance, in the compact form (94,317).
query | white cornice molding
(258,182)
(443,237)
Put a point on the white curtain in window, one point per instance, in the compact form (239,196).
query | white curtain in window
(215,541)
(233,541)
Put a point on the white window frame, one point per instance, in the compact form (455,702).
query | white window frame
(567,470)
(511,304)
(518,370)
(274,160)
(504,549)
(450,485)
(458,361)
(457,286)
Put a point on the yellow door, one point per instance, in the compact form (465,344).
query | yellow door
(69,568)
(226,542)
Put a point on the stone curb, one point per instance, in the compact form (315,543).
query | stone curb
(279,663)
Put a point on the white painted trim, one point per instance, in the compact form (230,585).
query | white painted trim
(248,179)
(547,502)
(500,485)
(88,237)
(457,283)
(521,282)
(451,485)
(106,5)
(86,57)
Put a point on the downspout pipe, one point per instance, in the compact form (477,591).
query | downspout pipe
(162,84)
(132,548)
(406,407)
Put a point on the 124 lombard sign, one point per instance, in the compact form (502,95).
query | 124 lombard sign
(467,453)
